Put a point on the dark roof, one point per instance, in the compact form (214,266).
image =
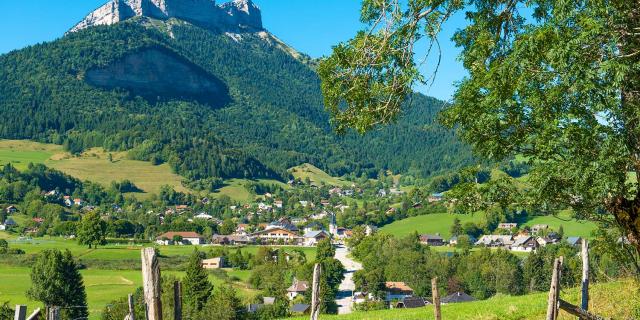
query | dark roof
(253,308)
(413,302)
(457,297)
(300,308)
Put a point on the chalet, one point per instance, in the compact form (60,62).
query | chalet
(311,238)
(324,203)
(411,302)
(187,238)
(457,297)
(335,191)
(275,233)
(234,239)
(52,193)
(264,207)
(432,240)
(436,197)
(203,216)
(278,204)
(574,241)
(495,241)
(544,241)
(9,223)
(300,308)
(11,209)
(67,201)
(268,195)
(297,288)
(397,291)
(342,233)
(213,263)
(507,226)
(524,244)
(539,227)
(78,202)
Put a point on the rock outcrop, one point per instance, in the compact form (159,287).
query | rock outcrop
(158,73)
(235,16)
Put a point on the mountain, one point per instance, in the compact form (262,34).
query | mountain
(205,88)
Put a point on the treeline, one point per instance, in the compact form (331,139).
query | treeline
(482,273)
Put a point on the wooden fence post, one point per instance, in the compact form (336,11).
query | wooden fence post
(436,298)
(177,301)
(54,313)
(554,290)
(132,309)
(151,284)
(585,275)
(35,315)
(315,294)
(21,312)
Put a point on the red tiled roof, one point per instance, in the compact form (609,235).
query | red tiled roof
(399,287)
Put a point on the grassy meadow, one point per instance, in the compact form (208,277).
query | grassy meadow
(605,301)
(441,223)
(316,175)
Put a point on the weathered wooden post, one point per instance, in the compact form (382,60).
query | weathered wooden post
(554,290)
(35,315)
(151,284)
(585,275)
(21,312)
(132,309)
(315,294)
(435,294)
(54,313)
(177,300)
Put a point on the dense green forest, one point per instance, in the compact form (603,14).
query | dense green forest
(272,116)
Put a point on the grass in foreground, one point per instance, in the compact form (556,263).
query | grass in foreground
(605,301)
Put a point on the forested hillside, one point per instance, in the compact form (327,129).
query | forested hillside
(264,114)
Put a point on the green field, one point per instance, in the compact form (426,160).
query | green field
(20,153)
(428,224)
(605,301)
(441,223)
(316,175)
(234,189)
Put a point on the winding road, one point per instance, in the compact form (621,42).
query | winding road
(345,294)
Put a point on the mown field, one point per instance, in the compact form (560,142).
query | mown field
(94,165)
(605,301)
(441,223)
(316,175)
(103,284)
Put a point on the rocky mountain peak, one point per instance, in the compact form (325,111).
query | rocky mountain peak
(234,16)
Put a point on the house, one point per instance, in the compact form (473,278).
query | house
(495,241)
(524,244)
(8,224)
(38,220)
(417,205)
(544,241)
(182,208)
(297,288)
(454,240)
(411,302)
(436,197)
(397,291)
(335,191)
(347,193)
(315,225)
(311,238)
(11,209)
(187,238)
(278,204)
(574,241)
(539,227)
(432,240)
(203,216)
(67,201)
(213,263)
(274,234)
(382,193)
(457,297)
(78,202)
(300,308)
(507,226)
(370,229)
(264,207)
(319,216)
(242,228)
(298,221)
(234,239)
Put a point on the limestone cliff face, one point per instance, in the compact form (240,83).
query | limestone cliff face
(235,16)
(157,73)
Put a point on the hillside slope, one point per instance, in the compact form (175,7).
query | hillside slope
(209,103)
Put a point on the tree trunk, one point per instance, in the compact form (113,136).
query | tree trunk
(627,215)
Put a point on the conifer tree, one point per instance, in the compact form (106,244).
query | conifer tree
(197,288)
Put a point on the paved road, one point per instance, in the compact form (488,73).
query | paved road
(347,286)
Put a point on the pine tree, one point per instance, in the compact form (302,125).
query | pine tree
(56,281)
(456,228)
(197,288)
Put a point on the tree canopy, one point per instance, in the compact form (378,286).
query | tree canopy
(554,81)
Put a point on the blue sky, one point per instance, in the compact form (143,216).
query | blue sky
(310,26)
